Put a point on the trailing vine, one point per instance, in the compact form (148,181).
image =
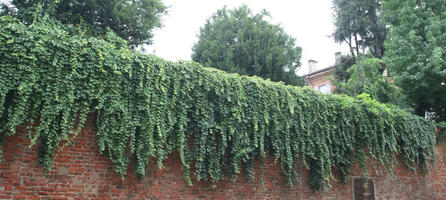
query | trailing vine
(220,123)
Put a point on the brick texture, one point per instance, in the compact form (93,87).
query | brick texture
(319,79)
(80,172)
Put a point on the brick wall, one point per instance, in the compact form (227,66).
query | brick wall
(316,80)
(80,172)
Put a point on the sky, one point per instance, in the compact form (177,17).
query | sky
(309,22)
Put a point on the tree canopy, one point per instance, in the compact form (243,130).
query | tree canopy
(415,51)
(341,73)
(132,20)
(357,24)
(239,41)
(365,77)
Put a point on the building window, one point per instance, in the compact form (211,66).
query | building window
(325,88)
(363,188)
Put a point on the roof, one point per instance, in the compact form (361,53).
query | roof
(318,71)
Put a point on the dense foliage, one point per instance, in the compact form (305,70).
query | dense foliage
(415,51)
(238,41)
(365,77)
(221,123)
(357,23)
(132,20)
(341,68)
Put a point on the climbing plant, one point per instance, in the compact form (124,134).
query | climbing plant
(219,123)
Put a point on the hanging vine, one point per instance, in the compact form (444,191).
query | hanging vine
(222,123)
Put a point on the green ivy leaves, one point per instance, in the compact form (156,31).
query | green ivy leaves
(219,123)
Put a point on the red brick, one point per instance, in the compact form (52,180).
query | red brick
(90,175)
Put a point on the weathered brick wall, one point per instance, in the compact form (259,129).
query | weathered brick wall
(80,172)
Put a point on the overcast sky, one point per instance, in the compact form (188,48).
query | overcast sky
(309,22)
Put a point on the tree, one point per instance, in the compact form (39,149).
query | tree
(365,77)
(415,51)
(238,41)
(132,20)
(357,23)
(341,67)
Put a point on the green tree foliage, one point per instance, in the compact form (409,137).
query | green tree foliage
(221,123)
(357,23)
(415,51)
(342,74)
(237,41)
(132,20)
(367,78)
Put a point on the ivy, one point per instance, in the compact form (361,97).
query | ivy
(219,123)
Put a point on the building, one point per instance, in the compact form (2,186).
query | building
(319,79)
